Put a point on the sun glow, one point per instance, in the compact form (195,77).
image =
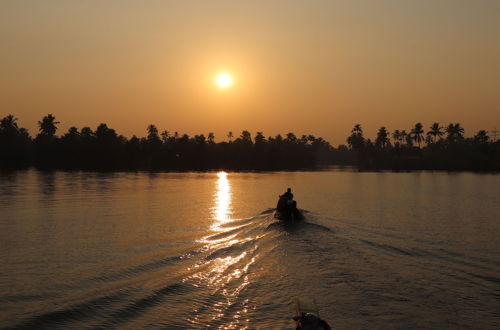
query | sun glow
(223,80)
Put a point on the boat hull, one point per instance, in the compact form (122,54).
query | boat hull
(289,216)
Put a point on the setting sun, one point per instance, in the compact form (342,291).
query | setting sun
(223,80)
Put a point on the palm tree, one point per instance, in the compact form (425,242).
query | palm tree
(48,126)
(153,134)
(408,139)
(396,136)
(481,137)
(417,132)
(8,124)
(454,132)
(459,131)
(357,129)
(435,132)
(382,138)
(403,136)
(211,138)
(165,136)
(428,140)
(356,139)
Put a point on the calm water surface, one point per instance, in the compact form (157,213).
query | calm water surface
(195,250)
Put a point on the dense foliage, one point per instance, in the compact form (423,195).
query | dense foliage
(104,149)
(441,148)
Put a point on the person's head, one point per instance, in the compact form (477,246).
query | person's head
(289,190)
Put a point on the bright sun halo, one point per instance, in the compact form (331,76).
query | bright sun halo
(223,80)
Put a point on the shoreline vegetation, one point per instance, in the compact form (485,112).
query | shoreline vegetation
(438,148)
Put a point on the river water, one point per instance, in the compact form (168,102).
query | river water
(194,250)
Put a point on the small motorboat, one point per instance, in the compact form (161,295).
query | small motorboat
(287,210)
(307,315)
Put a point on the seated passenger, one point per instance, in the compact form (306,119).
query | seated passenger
(286,202)
(288,194)
(282,204)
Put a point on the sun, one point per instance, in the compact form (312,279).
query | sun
(223,80)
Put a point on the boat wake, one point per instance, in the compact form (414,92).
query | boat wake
(220,279)
(241,273)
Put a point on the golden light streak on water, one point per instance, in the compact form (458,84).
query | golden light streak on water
(226,274)
(222,209)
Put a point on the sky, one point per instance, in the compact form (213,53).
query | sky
(308,67)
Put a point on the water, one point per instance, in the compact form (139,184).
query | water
(194,250)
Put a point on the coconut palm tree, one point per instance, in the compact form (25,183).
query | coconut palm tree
(428,140)
(211,138)
(408,139)
(8,124)
(165,135)
(356,139)
(435,132)
(481,137)
(454,132)
(382,138)
(48,126)
(357,129)
(403,137)
(396,137)
(153,136)
(417,132)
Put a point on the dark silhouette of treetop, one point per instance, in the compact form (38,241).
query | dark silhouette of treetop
(454,133)
(47,126)
(417,132)
(435,131)
(382,138)
(356,140)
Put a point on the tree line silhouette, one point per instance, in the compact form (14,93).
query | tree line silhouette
(441,148)
(104,149)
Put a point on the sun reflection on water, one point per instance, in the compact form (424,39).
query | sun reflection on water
(222,209)
(228,255)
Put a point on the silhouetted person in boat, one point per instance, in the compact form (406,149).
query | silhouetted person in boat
(288,194)
(286,201)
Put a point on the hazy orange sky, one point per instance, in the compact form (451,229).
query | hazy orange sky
(310,67)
